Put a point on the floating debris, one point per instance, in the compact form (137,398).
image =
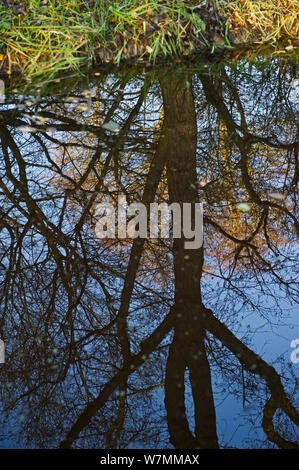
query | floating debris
(277,196)
(72,99)
(83,107)
(243,206)
(111,126)
(2,352)
(87,93)
(27,129)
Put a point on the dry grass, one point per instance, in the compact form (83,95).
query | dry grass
(261,21)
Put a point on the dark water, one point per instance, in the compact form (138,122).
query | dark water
(144,343)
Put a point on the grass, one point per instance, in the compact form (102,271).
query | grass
(47,37)
(263,20)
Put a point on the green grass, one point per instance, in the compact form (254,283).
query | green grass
(62,35)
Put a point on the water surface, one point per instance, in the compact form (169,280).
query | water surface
(144,343)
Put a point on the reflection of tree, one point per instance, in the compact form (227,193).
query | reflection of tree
(93,335)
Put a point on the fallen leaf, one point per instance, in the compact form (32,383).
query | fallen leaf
(277,196)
